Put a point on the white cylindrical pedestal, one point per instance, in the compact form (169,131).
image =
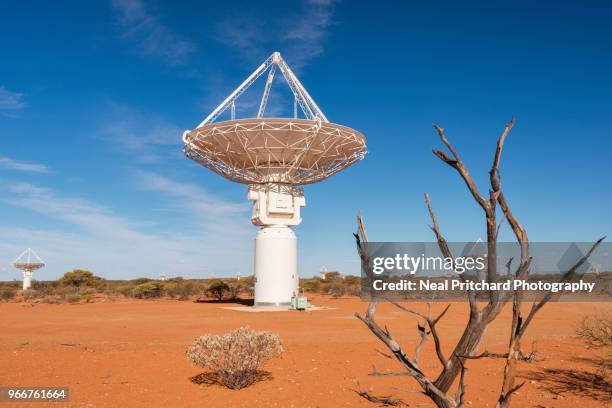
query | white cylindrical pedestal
(276,272)
(27,280)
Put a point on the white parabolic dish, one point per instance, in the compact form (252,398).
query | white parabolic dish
(275,150)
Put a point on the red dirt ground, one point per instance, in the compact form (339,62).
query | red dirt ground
(132,354)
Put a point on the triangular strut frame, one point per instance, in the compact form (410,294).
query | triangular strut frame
(302,97)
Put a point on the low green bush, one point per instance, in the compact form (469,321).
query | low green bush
(336,289)
(125,290)
(312,285)
(7,293)
(171,289)
(148,290)
(218,289)
(334,285)
(45,288)
(80,278)
(234,290)
(29,294)
(186,289)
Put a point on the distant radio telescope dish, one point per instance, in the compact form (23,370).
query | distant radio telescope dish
(274,156)
(28,262)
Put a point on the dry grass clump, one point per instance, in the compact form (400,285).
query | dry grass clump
(235,357)
(596,331)
(7,293)
(334,284)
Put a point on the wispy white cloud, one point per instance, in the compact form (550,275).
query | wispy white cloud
(11,102)
(149,137)
(153,38)
(245,35)
(192,196)
(300,36)
(209,211)
(117,246)
(307,33)
(88,215)
(19,165)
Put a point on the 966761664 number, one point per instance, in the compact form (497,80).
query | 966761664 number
(33,394)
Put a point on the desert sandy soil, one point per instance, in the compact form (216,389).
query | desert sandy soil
(132,354)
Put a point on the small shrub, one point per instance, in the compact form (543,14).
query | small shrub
(334,284)
(353,290)
(248,285)
(352,280)
(185,290)
(234,291)
(73,298)
(50,300)
(180,288)
(352,285)
(336,289)
(148,290)
(171,289)
(235,357)
(312,285)
(45,288)
(80,278)
(217,289)
(87,297)
(126,290)
(7,294)
(596,331)
(333,276)
(100,284)
(29,294)
(67,291)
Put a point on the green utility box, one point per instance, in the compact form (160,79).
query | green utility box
(299,302)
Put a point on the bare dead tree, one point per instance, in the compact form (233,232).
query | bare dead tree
(453,368)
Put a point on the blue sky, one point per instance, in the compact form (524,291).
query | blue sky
(94,97)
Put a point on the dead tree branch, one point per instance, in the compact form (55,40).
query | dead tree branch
(459,397)
(567,277)
(385,400)
(458,165)
(454,367)
(376,373)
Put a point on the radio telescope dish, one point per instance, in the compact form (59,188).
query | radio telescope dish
(28,262)
(274,156)
(275,150)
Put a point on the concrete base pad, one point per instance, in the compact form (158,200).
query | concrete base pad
(259,309)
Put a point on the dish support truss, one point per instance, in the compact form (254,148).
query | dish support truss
(301,96)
